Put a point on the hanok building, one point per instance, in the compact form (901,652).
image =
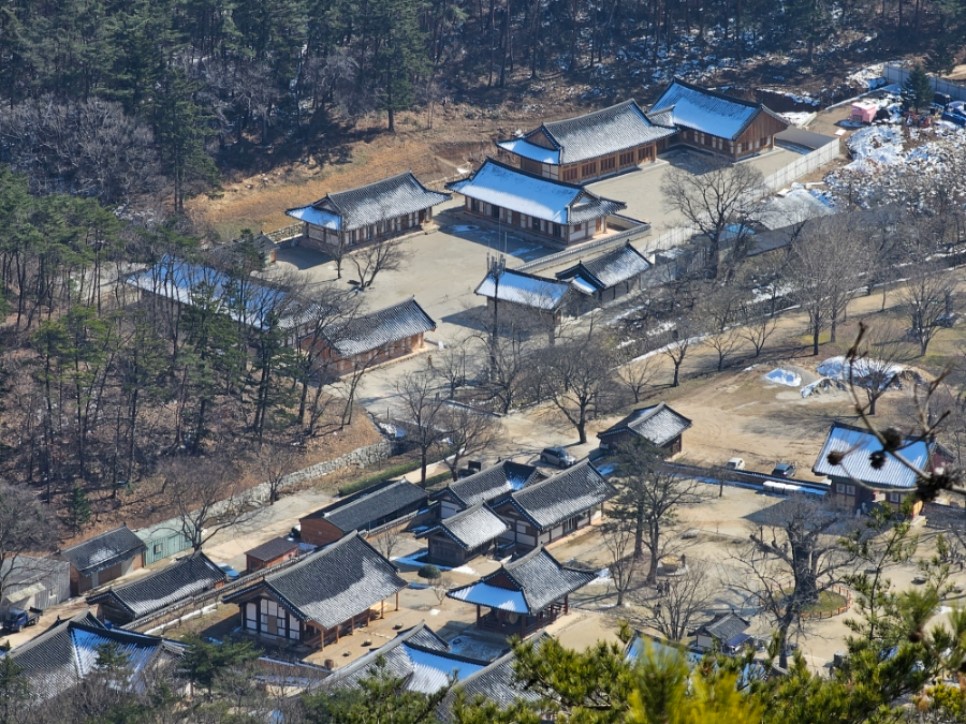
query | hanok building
(61,658)
(374,338)
(523,595)
(590,146)
(103,558)
(418,658)
(659,425)
(173,584)
(384,209)
(326,595)
(491,483)
(724,633)
(538,300)
(550,509)
(459,538)
(609,276)
(559,213)
(858,481)
(716,122)
(364,511)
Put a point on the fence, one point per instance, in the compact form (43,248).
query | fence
(286,233)
(897,75)
(804,165)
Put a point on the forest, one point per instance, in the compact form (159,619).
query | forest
(142,104)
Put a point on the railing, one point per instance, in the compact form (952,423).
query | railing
(607,242)
(286,233)
(804,165)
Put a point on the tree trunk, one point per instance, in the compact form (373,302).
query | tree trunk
(677,373)
(815,334)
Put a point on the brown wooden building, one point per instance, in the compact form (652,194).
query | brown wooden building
(270,553)
(321,598)
(659,425)
(715,122)
(461,537)
(561,213)
(384,209)
(103,558)
(588,147)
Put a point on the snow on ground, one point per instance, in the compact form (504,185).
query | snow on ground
(804,100)
(603,578)
(824,384)
(799,119)
(784,377)
(866,372)
(868,78)
(876,146)
(418,560)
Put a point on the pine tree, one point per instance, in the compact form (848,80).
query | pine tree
(79,507)
(917,90)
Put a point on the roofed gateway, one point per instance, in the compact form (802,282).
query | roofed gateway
(386,208)
(591,146)
(562,213)
(610,275)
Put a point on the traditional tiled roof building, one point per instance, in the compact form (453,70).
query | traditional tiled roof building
(456,539)
(485,486)
(658,424)
(608,276)
(103,558)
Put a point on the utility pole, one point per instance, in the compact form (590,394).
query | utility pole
(496,265)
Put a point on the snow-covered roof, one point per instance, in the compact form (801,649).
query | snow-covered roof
(104,550)
(383,326)
(554,201)
(492,596)
(591,135)
(469,528)
(522,288)
(796,206)
(659,424)
(569,493)
(608,270)
(857,446)
(492,482)
(707,111)
(353,209)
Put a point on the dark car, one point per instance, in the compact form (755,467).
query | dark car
(557,456)
(784,470)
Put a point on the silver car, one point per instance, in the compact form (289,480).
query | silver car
(557,456)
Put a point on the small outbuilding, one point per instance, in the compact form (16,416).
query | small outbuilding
(523,595)
(659,425)
(863,112)
(270,553)
(103,558)
(459,538)
(30,582)
(724,633)
(363,511)
(609,276)
(538,300)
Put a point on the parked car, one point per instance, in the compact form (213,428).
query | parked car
(17,618)
(230,573)
(783,470)
(735,464)
(557,456)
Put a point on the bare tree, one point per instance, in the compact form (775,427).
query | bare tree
(875,363)
(423,407)
(717,311)
(467,431)
(273,463)
(369,261)
(675,343)
(579,377)
(649,497)
(452,365)
(929,298)
(618,539)
(388,540)
(684,599)
(25,527)
(722,200)
(636,368)
(795,555)
(207,496)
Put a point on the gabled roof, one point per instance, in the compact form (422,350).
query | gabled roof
(561,203)
(494,481)
(420,658)
(383,326)
(524,586)
(707,111)
(176,582)
(272,549)
(608,270)
(724,627)
(242,299)
(66,653)
(569,493)
(598,133)
(357,511)
(331,585)
(857,444)
(469,528)
(366,205)
(104,550)
(497,682)
(522,288)
(658,424)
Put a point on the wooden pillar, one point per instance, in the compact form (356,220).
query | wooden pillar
(477,614)
(397,600)
(382,608)
(336,635)
(566,604)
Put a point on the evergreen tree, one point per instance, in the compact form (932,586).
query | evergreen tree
(79,508)
(917,90)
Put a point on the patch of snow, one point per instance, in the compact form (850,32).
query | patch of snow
(603,578)
(418,559)
(784,377)
(824,384)
(799,119)
(865,372)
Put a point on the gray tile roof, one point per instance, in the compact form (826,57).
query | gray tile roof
(525,289)
(383,326)
(420,658)
(610,269)
(366,205)
(66,653)
(104,550)
(858,444)
(494,481)
(360,510)
(331,585)
(607,131)
(658,424)
(562,496)
(176,582)
(272,549)
(470,528)
(724,627)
